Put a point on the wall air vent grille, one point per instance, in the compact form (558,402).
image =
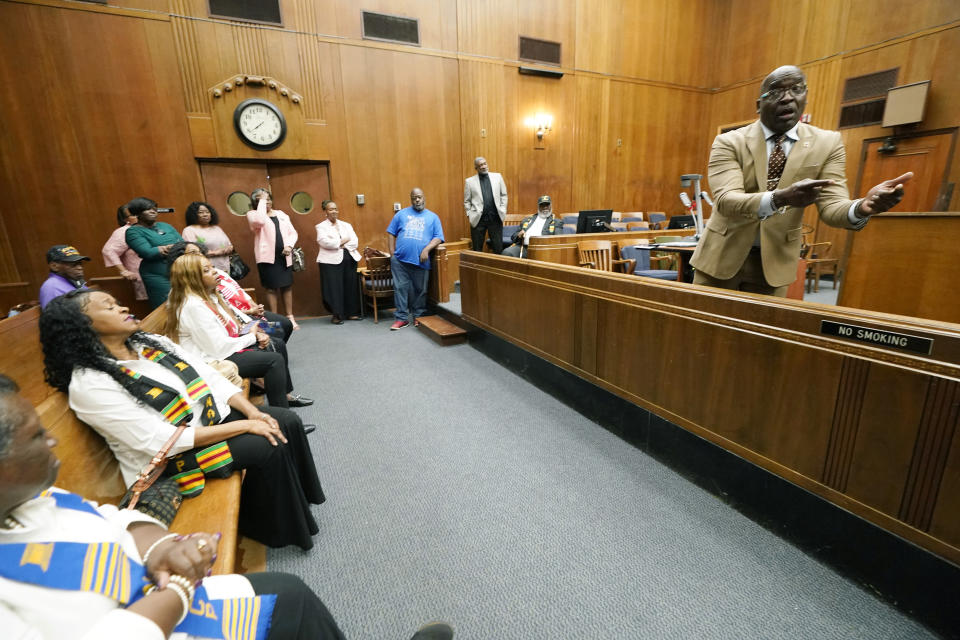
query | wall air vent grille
(543,51)
(382,26)
(252,10)
(862,113)
(872,85)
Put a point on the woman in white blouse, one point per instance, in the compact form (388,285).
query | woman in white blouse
(201,321)
(135,388)
(338,258)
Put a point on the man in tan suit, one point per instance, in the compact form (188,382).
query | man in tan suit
(485,203)
(763,176)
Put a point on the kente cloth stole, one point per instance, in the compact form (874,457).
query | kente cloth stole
(106,569)
(188,468)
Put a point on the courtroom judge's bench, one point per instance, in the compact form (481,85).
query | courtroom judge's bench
(89,468)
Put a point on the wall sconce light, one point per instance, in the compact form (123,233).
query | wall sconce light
(541,123)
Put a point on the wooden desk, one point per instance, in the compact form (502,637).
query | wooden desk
(870,428)
(562,249)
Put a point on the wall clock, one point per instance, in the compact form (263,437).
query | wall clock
(260,124)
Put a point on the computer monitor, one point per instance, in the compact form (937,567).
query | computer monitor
(681,222)
(593,221)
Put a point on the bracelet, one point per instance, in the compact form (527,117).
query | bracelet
(184,583)
(184,599)
(157,543)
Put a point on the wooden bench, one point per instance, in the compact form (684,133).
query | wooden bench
(89,468)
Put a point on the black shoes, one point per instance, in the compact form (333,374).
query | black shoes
(299,401)
(434,631)
(309,428)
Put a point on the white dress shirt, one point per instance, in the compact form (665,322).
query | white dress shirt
(134,431)
(40,613)
(535,229)
(200,331)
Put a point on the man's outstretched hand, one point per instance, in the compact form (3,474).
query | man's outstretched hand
(884,196)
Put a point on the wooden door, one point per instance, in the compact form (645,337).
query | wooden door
(221,179)
(928,156)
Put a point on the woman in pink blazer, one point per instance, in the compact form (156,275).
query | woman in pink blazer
(273,241)
(338,257)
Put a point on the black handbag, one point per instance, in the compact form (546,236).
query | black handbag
(161,500)
(238,268)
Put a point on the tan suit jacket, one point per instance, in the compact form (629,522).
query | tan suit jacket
(473,197)
(738,177)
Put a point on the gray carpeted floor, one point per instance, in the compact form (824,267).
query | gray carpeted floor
(458,491)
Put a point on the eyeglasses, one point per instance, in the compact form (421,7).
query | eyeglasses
(796,91)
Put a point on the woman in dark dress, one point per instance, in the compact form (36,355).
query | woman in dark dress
(151,240)
(338,257)
(273,243)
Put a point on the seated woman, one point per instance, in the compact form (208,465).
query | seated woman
(232,292)
(199,319)
(53,603)
(338,257)
(134,388)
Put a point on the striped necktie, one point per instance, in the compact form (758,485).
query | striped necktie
(777,160)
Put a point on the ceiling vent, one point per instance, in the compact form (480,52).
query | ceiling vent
(388,28)
(542,51)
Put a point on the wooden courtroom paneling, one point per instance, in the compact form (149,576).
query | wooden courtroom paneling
(906,264)
(94,119)
(872,429)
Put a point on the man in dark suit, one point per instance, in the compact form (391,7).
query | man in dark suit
(763,176)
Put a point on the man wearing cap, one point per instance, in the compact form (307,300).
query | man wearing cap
(66,272)
(485,203)
(541,224)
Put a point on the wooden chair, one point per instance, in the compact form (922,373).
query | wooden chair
(632,216)
(818,260)
(619,226)
(637,224)
(670,260)
(376,282)
(598,254)
(656,218)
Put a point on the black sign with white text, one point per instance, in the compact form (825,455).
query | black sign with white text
(877,337)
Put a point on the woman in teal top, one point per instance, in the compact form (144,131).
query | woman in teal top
(151,240)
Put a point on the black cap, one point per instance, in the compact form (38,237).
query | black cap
(543,200)
(64,253)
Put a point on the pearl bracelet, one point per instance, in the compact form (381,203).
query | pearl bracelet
(157,543)
(184,599)
(184,583)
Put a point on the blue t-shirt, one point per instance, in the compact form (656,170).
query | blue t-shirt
(414,230)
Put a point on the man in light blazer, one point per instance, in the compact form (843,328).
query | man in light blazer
(763,176)
(485,203)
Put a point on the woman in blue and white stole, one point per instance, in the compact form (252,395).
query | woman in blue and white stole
(134,388)
(52,585)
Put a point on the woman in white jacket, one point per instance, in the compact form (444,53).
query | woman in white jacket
(338,258)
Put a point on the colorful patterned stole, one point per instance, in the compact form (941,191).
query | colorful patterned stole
(106,569)
(188,468)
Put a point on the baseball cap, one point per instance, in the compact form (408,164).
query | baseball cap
(543,200)
(64,253)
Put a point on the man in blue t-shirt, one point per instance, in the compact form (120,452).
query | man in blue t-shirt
(412,234)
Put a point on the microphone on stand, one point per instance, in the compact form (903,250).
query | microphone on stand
(685,199)
(706,198)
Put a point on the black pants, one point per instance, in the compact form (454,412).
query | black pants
(338,282)
(269,365)
(298,613)
(491,225)
(286,327)
(280,484)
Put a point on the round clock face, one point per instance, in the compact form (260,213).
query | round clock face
(260,124)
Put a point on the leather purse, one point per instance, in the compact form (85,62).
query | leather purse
(238,268)
(157,497)
(299,262)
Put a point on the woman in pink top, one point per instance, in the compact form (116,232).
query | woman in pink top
(273,242)
(117,254)
(203,225)
(338,258)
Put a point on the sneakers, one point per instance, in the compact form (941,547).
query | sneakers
(399,324)
(434,631)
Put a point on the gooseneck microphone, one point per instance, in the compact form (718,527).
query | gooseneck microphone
(684,198)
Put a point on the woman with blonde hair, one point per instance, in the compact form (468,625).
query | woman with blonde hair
(204,323)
